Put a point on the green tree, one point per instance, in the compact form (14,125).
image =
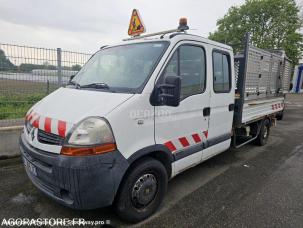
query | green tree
(5,63)
(273,24)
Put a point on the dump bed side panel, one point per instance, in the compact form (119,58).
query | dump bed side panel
(258,75)
(262,78)
(267,74)
(254,110)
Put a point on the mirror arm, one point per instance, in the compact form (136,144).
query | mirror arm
(71,77)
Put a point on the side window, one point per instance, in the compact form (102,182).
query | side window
(172,67)
(221,74)
(189,63)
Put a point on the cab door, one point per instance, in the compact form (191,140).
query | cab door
(221,103)
(183,129)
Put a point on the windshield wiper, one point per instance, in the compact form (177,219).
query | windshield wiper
(101,85)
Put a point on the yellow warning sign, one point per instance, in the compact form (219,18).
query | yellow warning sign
(136,26)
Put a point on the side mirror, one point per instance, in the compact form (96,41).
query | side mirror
(71,77)
(168,93)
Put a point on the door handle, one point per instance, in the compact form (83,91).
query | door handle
(206,111)
(231,107)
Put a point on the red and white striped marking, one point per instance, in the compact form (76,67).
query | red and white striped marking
(49,125)
(277,106)
(186,141)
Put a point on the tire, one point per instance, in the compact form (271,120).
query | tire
(279,116)
(264,133)
(142,190)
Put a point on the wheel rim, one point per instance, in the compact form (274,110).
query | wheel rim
(144,190)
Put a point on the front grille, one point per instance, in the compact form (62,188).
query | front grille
(28,126)
(48,138)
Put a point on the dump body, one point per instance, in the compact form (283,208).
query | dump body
(262,78)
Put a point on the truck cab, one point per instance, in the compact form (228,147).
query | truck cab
(136,115)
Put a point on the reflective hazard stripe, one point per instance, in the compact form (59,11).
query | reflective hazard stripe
(170,146)
(49,125)
(61,128)
(205,133)
(197,138)
(29,117)
(277,106)
(36,122)
(33,118)
(186,141)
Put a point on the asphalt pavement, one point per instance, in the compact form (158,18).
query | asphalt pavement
(249,187)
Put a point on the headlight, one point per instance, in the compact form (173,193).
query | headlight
(92,136)
(91,131)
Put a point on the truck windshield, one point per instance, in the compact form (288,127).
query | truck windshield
(124,68)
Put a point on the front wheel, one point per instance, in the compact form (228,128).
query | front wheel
(142,190)
(264,133)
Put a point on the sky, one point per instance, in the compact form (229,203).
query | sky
(86,25)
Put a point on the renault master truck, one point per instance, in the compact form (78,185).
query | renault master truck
(144,110)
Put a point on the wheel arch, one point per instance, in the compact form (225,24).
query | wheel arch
(158,152)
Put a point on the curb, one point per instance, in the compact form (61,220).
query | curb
(9,142)
(11,128)
(5,157)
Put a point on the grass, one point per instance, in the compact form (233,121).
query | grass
(13,107)
(16,97)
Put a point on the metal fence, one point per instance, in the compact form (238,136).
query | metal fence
(27,74)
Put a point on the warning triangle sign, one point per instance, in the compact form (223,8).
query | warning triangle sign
(136,26)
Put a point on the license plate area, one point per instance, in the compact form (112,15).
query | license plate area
(30,167)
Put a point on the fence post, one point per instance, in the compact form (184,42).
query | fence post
(59,66)
(47,87)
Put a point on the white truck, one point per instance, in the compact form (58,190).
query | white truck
(142,111)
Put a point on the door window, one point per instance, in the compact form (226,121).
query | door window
(189,63)
(221,74)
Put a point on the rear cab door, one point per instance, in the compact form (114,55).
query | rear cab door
(183,129)
(221,102)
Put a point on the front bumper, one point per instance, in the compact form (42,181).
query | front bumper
(81,182)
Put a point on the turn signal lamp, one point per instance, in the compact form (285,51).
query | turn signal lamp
(84,151)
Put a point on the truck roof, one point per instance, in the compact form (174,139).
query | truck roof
(175,37)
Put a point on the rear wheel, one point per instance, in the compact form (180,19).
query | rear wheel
(142,190)
(264,133)
(279,116)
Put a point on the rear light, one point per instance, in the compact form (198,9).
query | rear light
(85,151)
